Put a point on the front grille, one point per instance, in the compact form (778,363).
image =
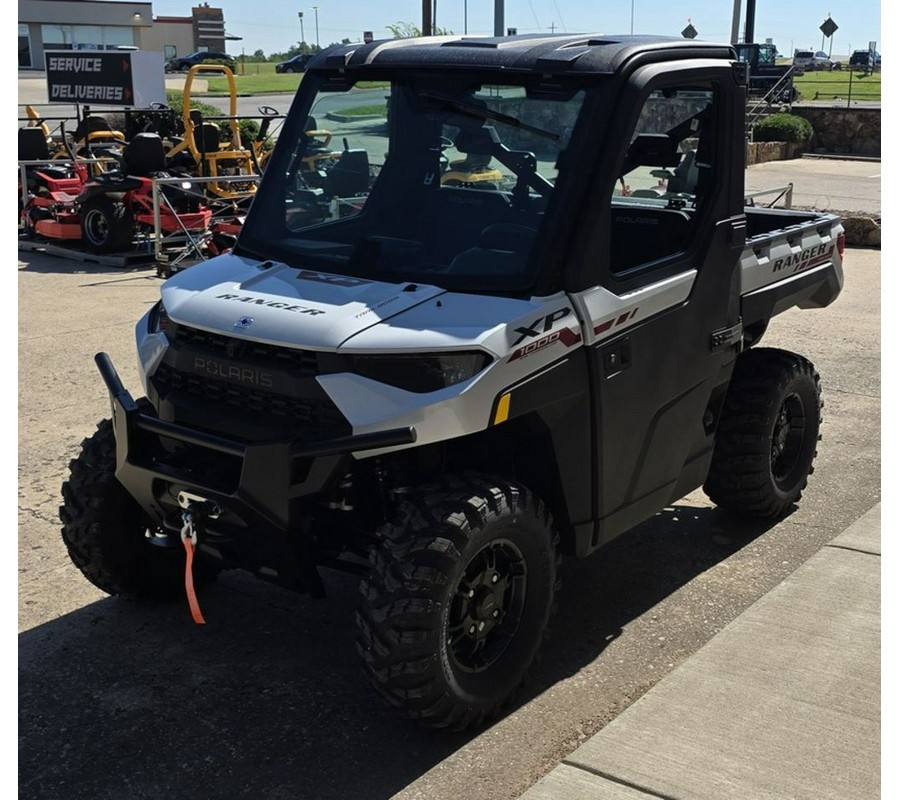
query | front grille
(246,389)
(305,412)
(305,362)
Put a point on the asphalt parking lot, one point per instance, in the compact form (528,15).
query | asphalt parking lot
(118,699)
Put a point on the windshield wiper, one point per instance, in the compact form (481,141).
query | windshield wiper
(486,113)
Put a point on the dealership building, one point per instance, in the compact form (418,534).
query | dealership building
(96,25)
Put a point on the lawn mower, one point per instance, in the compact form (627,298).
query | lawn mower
(107,211)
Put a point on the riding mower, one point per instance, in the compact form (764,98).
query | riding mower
(202,152)
(108,210)
(41,177)
(474,170)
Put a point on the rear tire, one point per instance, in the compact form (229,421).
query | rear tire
(460,592)
(767,435)
(107,226)
(104,530)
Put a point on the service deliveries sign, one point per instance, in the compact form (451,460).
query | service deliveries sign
(105,77)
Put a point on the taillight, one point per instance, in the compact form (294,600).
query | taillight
(842,240)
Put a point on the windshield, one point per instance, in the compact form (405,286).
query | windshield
(437,180)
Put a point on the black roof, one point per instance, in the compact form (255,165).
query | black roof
(553,54)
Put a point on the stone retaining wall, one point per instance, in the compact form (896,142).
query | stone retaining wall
(761,152)
(844,131)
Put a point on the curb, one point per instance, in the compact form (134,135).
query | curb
(841,157)
(355,118)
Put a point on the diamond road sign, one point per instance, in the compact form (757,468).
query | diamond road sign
(828,27)
(690,32)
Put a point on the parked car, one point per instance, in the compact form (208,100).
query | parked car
(296,64)
(813,60)
(184,63)
(864,59)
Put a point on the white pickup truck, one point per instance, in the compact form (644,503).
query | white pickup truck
(514,314)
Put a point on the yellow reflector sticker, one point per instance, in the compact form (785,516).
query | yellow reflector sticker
(502,410)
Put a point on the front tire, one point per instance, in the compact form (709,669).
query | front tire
(767,435)
(107,226)
(459,596)
(104,530)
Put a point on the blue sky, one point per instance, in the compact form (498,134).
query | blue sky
(273,25)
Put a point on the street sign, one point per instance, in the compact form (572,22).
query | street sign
(690,32)
(368,37)
(133,78)
(828,27)
(512,31)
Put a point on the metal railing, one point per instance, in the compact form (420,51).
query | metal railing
(852,86)
(785,193)
(172,249)
(782,93)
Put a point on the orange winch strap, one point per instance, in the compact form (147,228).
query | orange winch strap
(189,583)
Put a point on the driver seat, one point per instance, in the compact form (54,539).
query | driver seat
(685,175)
(502,249)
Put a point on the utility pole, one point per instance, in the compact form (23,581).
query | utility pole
(498,18)
(736,22)
(302,37)
(316,9)
(751,21)
(427,25)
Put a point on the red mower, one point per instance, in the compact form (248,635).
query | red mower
(107,212)
(43,176)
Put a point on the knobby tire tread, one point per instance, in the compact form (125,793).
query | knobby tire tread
(399,613)
(740,476)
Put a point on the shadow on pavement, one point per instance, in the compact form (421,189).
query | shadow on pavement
(266,701)
(632,574)
(41,262)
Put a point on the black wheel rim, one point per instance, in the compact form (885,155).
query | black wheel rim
(486,606)
(787,441)
(96,227)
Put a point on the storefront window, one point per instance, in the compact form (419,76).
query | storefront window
(86,37)
(24,47)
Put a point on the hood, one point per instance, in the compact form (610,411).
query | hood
(277,304)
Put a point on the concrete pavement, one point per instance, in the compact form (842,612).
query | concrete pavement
(785,702)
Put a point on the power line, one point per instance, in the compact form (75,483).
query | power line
(536,20)
(561,22)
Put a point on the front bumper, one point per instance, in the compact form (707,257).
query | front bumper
(256,484)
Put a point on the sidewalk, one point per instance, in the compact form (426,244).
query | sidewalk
(785,702)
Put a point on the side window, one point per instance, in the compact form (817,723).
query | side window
(664,177)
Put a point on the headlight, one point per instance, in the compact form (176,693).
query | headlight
(158,320)
(421,373)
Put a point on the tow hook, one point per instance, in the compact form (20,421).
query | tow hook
(195,509)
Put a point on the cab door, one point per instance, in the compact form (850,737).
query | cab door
(662,324)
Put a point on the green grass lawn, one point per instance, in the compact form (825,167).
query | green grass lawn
(825,86)
(260,78)
(256,78)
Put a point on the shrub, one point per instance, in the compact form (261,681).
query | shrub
(249,128)
(783,128)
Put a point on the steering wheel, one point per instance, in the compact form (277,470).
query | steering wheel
(268,111)
(159,107)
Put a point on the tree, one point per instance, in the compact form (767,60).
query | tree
(259,55)
(408,30)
